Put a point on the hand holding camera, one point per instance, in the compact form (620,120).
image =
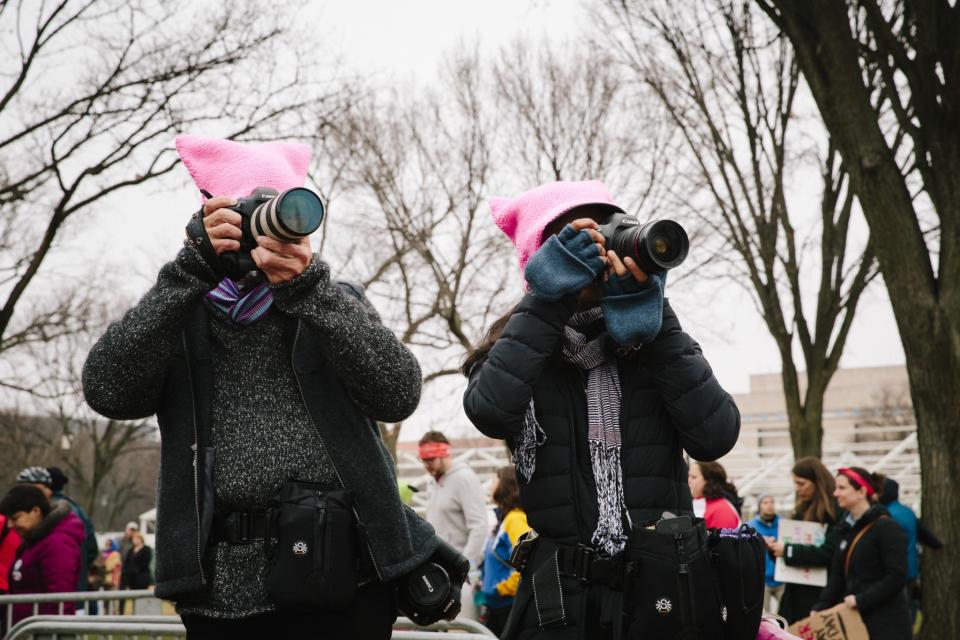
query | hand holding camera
(266,231)
(431,592)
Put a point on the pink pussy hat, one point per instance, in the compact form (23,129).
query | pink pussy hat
(227,168)
(524,217)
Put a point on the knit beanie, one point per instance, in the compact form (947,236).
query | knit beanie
(234,169)
(523,218)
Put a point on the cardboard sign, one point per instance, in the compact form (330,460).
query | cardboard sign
(839,623)
(801,532)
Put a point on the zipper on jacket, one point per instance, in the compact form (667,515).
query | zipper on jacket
(296,376)
(196,458)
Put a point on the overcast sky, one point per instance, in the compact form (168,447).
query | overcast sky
(404,42)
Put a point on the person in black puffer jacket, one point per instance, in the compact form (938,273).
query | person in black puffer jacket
(869,569)
(598,391)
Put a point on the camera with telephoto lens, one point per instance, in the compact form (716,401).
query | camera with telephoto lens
(431,592)
(285,217)
(655,246)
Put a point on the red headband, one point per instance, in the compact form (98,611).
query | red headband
(429,450)
(856,477)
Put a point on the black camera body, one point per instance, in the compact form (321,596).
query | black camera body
(285,217)
(655,246)
(431,592)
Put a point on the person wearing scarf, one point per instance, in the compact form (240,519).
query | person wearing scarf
(598,392)
(273,377)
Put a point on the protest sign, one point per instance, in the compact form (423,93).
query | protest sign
(839,623)
(800,532)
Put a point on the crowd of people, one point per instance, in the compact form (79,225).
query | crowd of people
(279,508)
(48,544)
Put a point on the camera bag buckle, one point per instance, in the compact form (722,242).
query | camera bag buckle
(588,566)
(242,527)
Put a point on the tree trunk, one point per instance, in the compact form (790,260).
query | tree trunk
(925,303)
(932,367)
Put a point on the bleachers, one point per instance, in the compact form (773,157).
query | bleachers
(760,463)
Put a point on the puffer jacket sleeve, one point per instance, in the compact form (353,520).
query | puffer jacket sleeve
(704,415)
(501,387)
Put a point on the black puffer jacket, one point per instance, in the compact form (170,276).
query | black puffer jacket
(874,570)
(670,402)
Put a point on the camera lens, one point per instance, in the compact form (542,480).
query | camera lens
(300,211)
(666,243)
(293,214)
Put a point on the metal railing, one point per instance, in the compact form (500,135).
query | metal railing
(61,600)
(172,627)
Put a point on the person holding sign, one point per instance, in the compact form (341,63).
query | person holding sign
(814,503)
(869,568)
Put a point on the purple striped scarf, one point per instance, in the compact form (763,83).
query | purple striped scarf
(243,306)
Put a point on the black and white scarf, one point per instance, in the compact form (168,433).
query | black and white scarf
(603,418)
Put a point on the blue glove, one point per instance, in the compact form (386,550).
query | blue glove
(633,312)
(564,264)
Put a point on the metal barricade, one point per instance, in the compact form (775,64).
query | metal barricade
(99,626)
(459,629)
(61,600)
(172,627)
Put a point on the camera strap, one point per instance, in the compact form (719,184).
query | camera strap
(198,238)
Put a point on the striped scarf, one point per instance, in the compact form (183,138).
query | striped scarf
(242,306)
(603,435)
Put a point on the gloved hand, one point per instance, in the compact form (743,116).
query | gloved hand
(633,311)
(565,263)
(431,592)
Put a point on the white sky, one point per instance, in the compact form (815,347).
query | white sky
(405,41)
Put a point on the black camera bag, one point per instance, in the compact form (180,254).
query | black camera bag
(671,594)
(312,547)
(739,563)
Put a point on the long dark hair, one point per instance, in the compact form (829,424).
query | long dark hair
(507,495)
(715,483)
(479,353)
(821,508)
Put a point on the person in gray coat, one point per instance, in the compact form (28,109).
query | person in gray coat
(275,378)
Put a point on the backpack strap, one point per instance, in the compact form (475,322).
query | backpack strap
(846,562)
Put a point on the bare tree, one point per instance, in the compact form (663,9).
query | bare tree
(569,115)
(885,76)
(424,245)
(94,93)
(730,88)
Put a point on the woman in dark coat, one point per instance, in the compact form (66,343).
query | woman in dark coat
(814,503)
(598,391)
(869,569)
(136,573)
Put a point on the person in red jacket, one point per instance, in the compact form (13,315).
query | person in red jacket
(709,480)
(9,541)
(48,560)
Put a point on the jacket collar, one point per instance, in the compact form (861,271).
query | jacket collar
(60,510)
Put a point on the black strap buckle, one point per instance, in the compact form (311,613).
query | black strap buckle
(587,565)
(583,557)
(244,527)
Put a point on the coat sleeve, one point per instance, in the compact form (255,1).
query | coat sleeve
(704,415)
(124,371)
(810,555)
(500,387)
(474,517)
(893,558)
(61,564)
(381,375)
(833,593)
(927,537)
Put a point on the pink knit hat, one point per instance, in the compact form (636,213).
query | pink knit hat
(524,217)
(234,169)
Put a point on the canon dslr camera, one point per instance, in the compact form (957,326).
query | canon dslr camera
(655,246)
(431,592)
(285,217)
